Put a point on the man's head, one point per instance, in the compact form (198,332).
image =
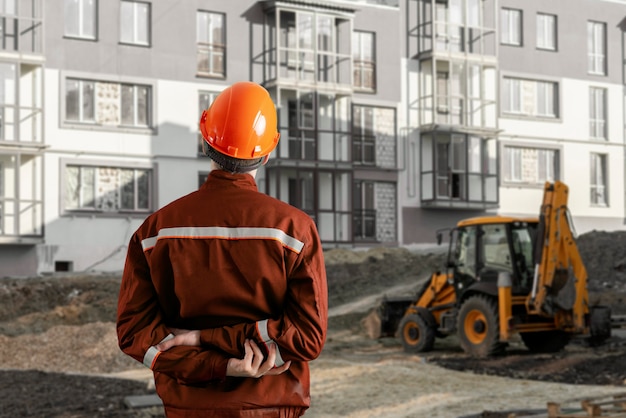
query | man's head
(239,128)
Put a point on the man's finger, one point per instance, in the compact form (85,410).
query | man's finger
(278,370)
(166,345)
(270,362)
(258,356)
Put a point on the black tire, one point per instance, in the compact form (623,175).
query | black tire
(599,325)
(416,334)
(545,341)
(478,327)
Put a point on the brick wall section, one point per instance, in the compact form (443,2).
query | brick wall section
(386,212)
(386,147)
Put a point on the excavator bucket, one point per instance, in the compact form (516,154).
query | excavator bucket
(384,319)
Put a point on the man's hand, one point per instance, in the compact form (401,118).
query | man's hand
(252,364)
(181,337)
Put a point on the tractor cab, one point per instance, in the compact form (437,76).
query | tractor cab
(482,248)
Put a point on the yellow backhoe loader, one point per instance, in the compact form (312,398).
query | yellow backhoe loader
(503,276)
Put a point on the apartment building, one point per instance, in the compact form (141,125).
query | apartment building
(562,95)
(120,88)
(396,117)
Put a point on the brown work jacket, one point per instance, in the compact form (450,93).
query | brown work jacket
(236,264)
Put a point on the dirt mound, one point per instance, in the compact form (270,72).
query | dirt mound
(604,256)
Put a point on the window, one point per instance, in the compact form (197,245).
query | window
(511,29)
(530,165)
(107,189)
(205,98)
(546,31)
(107,104)
(364,208)
(313,46)
(364,60)
(530,97)
(135,23)
(211,41)
(364,139)
(81,18)
(374,136)
(596,45)
(597,113)
(598,178)
(458,167)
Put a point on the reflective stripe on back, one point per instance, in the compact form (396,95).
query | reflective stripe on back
(219,232)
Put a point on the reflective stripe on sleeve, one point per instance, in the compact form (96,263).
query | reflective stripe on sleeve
(152,354)
(261,327)
(218,232)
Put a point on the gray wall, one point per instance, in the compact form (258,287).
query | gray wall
(570,58)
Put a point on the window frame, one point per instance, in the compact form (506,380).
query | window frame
(593,55)
(81,24)
(593,179)
(543,23)
(507,15)
(135,20)
(598,105)
(364,192)
(211,46)
(97,164)
(358,62)
(506,166)
(512,90)
(151,112)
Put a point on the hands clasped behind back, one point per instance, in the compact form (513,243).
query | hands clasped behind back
(253,363)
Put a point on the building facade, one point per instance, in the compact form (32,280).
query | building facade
(396,117)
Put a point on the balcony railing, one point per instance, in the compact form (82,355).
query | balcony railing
(20,34)
(21,124)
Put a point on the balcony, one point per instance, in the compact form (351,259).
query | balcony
(21,27)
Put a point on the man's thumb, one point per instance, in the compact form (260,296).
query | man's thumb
(165,345)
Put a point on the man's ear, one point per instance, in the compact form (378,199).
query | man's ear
(265,159)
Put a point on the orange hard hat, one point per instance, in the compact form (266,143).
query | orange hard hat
(241,123)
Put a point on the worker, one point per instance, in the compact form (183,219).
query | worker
(224,293)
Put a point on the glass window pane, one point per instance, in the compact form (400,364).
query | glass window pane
(143,28)
(71,17)
(72,190)
(143,95)
(88,101)
(127,21)
(127,177)
(143,189)
(128,105)
(72,101)
(202,25)
(88,18)
(87,187)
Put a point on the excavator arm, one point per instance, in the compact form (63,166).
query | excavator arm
(560,278)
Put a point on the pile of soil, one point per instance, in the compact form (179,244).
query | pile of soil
(58,339)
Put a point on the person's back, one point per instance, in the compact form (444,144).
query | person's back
(231,265)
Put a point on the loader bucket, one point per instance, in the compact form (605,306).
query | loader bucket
(383,321)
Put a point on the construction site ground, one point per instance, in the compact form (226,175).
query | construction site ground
(59,354)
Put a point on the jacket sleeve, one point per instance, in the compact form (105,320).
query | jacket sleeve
(300,332)
(140,327)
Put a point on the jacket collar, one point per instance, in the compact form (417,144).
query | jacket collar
(224,179)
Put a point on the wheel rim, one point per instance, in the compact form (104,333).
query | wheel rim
(475,326)
(411,333)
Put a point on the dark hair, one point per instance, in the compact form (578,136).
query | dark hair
(231,164)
